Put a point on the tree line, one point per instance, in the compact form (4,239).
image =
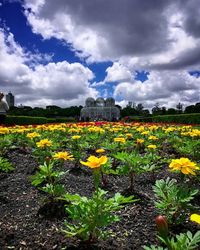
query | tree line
(134,110)
(131,109)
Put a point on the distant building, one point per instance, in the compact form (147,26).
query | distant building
(100,109)
(10,99)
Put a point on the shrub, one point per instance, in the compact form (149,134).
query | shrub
(176,118)
(181,118)
(28,120)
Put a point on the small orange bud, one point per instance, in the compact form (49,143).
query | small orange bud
(162,225)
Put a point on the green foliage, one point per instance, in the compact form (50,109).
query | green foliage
(5,165)
(181,118)
(173,200)
(51,111)
(134,160)
(93,215)
(28,120)
(110,146)
(153,247)
(185,241)
(176,118)
(133,163)
(140,119)
(5,144)
(25,120)
(189,148)
(46,173)
(54,191)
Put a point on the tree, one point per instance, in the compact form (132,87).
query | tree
(171,111)
(156,110)
(190,109)
(179,107)
(139,108)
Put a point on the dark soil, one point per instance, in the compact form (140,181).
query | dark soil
(27,222)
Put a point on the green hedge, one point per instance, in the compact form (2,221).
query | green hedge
(176,118)
(139,119)
(182,118)
(28,120)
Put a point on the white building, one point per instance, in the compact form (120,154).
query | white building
(100,109)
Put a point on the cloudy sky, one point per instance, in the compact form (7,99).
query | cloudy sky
(59,52)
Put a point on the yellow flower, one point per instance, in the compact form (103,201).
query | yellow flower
(152,137)
(170,129)
(32,135)
(95,162)
(72,130)
(145,133)
(184,165)
(4,130)
(100,150)
(44,143)
(140,129)
(119,139)
(63,156)
(139,141)
(76,137)
(129,135)
(195,218)
(153,127)
(152,146)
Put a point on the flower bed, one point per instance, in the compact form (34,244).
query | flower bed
(99,186)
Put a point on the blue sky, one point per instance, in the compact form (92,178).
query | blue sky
(61,52)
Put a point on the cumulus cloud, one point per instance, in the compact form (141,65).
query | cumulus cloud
(159,36)
(100,29)
(167,88)
(61,83)
(117,73)
(154,32)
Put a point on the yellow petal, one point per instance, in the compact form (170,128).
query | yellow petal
(195,218)
(92,158)
(103,160)
(84,163)
(184,171)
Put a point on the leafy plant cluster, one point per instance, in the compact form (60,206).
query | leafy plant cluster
(5,165)
(173,200)
(113,149)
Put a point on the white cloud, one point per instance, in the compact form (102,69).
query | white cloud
(167,88)
(117,73)
(154,33)
(160,36)
(61,83)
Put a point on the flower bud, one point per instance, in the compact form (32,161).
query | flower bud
(48,159)
(162,225)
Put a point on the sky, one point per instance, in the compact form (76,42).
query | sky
(59,52)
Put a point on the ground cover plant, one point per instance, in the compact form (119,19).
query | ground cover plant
(100,186)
